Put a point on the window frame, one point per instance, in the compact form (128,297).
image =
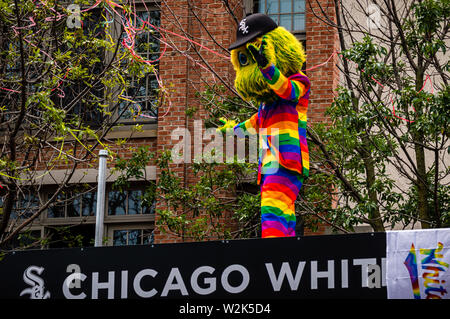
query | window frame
(116,27)
(89,116)
(74,196)
(32,202)
(109,220)
(134,186)
(129,227)
(126,200)
(299,33)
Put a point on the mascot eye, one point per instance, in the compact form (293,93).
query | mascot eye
(243,60)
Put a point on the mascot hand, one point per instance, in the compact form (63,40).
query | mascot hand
(226,124)
(259,53)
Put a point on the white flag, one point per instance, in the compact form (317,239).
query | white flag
(417,264)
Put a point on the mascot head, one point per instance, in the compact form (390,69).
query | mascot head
(283,50)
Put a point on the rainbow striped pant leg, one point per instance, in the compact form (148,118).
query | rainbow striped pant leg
(278,194)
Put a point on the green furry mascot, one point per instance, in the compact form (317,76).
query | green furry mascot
(268,61)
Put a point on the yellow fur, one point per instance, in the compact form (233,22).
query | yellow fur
(283,49)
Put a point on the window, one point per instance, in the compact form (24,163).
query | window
(127,203)
(144,91)
(69,221)
(29,239)
(25,206)
(73,204)
(82,235)
(87,108)
(122,237)
(287,13)
(81,201)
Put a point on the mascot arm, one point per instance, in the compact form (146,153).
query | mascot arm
(291,90)
(246,128)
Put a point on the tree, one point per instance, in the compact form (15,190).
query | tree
(61,78)
(199,210)
(386,152)
(383,159)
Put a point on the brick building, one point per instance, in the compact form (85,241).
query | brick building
(127,221)
(297,16)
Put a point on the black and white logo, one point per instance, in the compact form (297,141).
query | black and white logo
(243,27)
(32,278)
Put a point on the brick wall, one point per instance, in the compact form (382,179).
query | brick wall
(203,20)
(184,76)
(173,69)
(188,77)
(321,42)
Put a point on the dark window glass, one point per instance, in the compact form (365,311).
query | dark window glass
(134,202)
(89,204)
(73,236)
(128,203)
(147,236)
(25,206)
(132,237)
(120,237)
(28,240)
(57,209)
(149,209)
(74,207)
(117,203)
(144,91)
(73,203)
(87,108)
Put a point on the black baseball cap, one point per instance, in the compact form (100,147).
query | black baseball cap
(251,27)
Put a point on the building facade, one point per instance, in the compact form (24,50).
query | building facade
(185,24)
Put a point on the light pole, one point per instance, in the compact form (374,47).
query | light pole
(100,213)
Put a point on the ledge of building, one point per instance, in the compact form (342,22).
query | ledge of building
(108,219)
(127,131)
(83,175)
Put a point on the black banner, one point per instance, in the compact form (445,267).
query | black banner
(331,266)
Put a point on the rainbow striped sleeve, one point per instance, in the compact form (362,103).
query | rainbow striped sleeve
(281,85)
(248,127)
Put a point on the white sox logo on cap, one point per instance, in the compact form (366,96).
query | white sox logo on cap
(243,27)
(252,26)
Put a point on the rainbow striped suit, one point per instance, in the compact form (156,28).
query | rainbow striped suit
(283,151)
